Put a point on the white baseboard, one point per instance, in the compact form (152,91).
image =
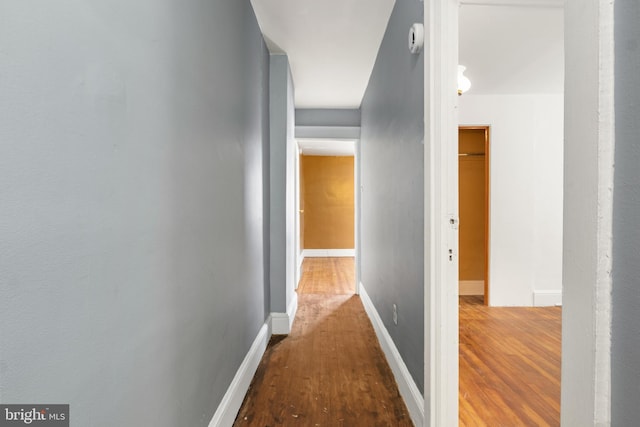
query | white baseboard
(547,298)
(471,287)
(323,253)
(228,409)
(281,323)
(299,268)
(408,388)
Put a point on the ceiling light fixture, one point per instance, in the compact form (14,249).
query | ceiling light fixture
(464,84)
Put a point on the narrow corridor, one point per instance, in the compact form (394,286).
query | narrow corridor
(330,371)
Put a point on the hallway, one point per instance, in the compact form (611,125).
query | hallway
(330,371)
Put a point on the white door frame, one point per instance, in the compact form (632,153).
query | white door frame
(298,249)
(357,196)
(588,99)
(588,212)
(441,213)
(325,133)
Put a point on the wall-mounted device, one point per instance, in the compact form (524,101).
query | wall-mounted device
(416,38)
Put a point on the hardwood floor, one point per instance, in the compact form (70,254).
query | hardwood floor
(509,365)
(327,276)
(330,371)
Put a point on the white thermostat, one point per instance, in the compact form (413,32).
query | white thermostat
(416,38)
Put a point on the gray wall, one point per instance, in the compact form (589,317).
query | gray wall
(282,158)
(131,227)
(327,117)
(625,354)
(392,174)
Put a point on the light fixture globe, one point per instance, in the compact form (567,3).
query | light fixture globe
(464,84)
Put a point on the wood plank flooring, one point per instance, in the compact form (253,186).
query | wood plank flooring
(327,276)
(330,371)
(509,365)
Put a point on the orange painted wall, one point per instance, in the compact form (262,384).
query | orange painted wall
(327,199)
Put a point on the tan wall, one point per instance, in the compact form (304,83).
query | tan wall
(472,205)
(327,199)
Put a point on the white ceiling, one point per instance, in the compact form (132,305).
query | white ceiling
(508,46)
(331,45)
(510,49)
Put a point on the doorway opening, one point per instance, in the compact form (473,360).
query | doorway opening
(327,216)
(513,334)
(473,205)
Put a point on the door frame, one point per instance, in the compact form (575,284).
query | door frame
(487,202)
(357,195)
(589,121)
(356,199)
(441,213)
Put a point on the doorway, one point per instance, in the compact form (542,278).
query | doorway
(473,205)
(495,106)
(327,216)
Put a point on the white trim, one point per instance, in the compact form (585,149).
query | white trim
(233,398)
(324,253)
(587,212)
(333,132)
(471,287)
(441,214)
(357,215)
(281,323)
(327,147)
(547,298)
(602,313)
(407,386)
(537,4)
(299,268)
(298,232)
